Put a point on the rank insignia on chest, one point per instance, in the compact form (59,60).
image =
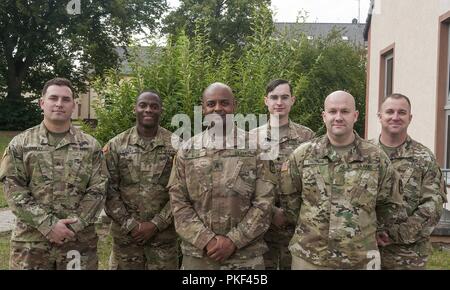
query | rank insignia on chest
(217,165)
(272,166)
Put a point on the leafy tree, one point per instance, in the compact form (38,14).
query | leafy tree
(229,22)
(39,39)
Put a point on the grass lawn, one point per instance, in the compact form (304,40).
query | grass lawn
(5,137)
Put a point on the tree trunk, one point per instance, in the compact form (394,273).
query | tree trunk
(14,85)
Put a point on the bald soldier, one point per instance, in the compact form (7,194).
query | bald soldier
(279,101)
(139,162)
(341,191)
(221,193)
(55,182)
(424,190)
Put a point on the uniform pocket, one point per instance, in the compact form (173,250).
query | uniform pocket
(198,178)
(364,192)
(79,169)
(129,171)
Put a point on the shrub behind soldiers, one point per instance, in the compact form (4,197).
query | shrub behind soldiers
(54,181)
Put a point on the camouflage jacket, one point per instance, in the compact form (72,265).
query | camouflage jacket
(139,174)
(225,192)
(44,183)
(297,135)
(339,203)
(424,193)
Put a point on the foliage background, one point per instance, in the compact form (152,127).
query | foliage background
(187,65)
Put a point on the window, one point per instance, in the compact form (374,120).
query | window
(447,107)
(386,85)
(389,74)
(79,110)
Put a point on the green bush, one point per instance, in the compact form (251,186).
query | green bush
(19,114)
(185,66)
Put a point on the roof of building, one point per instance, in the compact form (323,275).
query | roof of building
(352,32)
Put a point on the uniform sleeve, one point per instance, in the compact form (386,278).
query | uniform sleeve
(291,188)
(93,200)
(187,223)
(114,206)
(258,218)
(164,218)
(389,204)
(15,179)
(421,223)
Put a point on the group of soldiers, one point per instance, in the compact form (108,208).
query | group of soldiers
(332,202)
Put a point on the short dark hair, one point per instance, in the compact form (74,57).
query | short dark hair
(275,83)
(58,82)
(397,96)
(152,92)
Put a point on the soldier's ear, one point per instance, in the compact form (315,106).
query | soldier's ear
(294,98)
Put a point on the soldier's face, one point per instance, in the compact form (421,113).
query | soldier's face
(279,101)
(148,110)
(219,101)
(340,116)
(57,104)
(395,116)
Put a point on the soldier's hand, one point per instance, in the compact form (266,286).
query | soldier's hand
(222,250)
(211,244)
(279,219)
(383,239)
(145,232)
(60,233)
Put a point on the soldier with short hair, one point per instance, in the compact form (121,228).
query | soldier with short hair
(139,162)
(341,191)
(55,182)
(289,135)
(424,191)
(221,193)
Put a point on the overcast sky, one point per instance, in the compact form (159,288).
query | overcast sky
(339,11)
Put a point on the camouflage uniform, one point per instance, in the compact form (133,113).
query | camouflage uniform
(424,193)
(225,192)
(339,203)
(278,256)
(43,184)
(137,192)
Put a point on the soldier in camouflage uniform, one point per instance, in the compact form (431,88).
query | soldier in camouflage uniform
(424,191)
(221,194)
(341,191)
(279,101)
(139,162)
(55,182)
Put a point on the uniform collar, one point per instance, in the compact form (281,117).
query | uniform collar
(403,151)
(292,133)
(135,139)
(70,138)
(325,149)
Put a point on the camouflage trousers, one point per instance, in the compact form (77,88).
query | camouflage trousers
(205,263)
(126,254)
(278,257)
(77,255)
(401,258)
(301,264)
